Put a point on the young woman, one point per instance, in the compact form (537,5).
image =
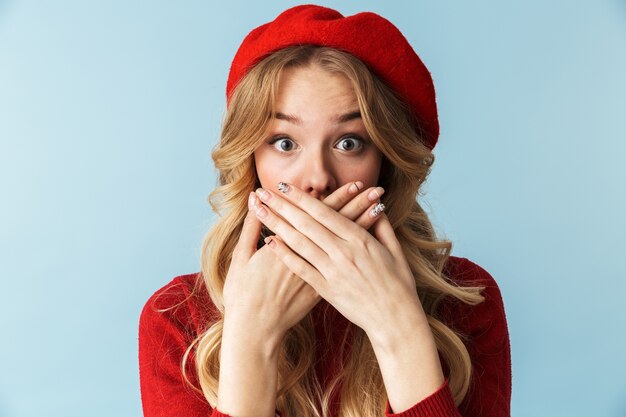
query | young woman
(315,298)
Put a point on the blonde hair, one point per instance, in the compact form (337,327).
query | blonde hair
(406,164)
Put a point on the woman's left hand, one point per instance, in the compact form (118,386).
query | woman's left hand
(366,278)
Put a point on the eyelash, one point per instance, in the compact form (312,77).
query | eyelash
(356,138)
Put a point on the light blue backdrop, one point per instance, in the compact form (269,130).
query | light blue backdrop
(109,111)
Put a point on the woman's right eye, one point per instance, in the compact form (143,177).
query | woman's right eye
(282,144)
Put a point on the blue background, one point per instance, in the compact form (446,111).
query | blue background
(109,111)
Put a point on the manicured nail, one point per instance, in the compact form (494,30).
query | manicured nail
(263,194)
(269,241)
(356,186)
(375,193)
(252,200)
(283,187)
(261,212)
(378,208)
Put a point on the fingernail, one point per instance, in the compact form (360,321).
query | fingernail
(375,193)
(283,187)
(252,201)
(263,194)
(261,212)
(356,186)
(269,241)
(378,208)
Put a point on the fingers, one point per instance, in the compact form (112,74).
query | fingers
(297,265)
(354,208)
(294,221)
(365,208)
(296,226)
(247,244)
(354,202)
(343,195)
(383,232)
(371,215)
(293,202)
(304,236)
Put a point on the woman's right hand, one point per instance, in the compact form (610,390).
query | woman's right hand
(260,293)
(263,299)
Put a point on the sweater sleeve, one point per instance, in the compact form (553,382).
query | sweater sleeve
(163,339)
(489,348)
(164,336)
(438,404)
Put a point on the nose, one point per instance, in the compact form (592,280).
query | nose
(318,177)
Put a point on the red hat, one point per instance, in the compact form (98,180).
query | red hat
(367,36)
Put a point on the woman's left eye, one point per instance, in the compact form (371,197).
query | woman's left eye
(350,144)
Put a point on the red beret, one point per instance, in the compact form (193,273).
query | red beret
(367,36)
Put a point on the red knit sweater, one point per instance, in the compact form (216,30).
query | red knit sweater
(164,337)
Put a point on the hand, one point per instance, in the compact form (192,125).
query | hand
(259,285)
(356,208)
(366,278)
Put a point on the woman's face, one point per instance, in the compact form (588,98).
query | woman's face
(317,141)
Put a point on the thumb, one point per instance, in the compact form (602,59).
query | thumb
(250,231)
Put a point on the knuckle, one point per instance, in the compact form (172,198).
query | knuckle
(297,196)
(334,203)
(277,204)
(365,204)
(322,214)
(248,220)
(360,245)
(306,230)
(350,212)
(368,242)
(339,198)
(364,222)
(299,245)
(299,269)
(344,196)
(271,221)
(346,253)
(359,241)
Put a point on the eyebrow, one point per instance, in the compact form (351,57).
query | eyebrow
(340,119)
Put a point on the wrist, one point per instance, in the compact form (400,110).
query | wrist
(251,336)
(413,323)
(409,362)
(248,374)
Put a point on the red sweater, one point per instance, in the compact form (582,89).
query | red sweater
(163,338)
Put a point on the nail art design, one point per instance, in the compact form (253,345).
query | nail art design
(378,208)
(282,187)
(354,188)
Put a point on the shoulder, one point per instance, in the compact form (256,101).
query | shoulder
(170,322)
(484,331)
(489,315)
(183,303)
(467,273)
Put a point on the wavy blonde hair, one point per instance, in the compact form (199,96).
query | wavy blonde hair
(406,164)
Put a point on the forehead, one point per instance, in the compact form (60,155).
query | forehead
(302,88)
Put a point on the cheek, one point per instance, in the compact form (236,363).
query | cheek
(367,171)
(269,169)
